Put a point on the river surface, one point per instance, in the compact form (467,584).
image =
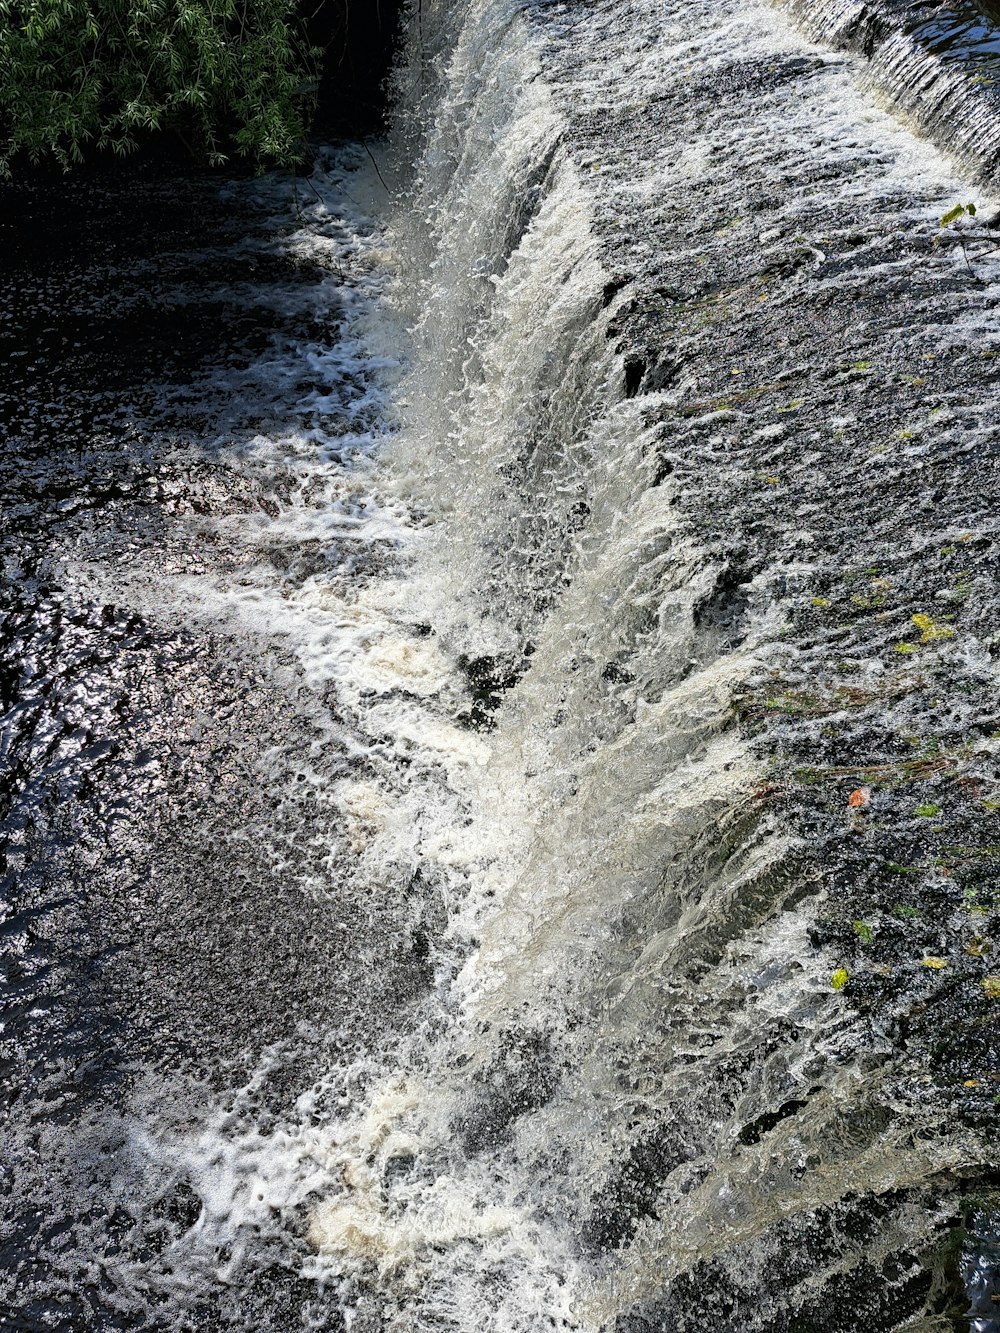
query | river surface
(499,677)
(190,525)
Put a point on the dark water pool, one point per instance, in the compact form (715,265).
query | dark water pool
(172,930)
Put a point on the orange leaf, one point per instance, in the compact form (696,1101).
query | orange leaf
(858,798)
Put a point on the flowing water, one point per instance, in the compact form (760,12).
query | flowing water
(501,738)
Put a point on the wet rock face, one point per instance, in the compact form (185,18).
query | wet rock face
(821,362)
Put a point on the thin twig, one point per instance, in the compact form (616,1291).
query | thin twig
(965,255)
(378,173)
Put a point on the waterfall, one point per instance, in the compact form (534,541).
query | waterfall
(583,637)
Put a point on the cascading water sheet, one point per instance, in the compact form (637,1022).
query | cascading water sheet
(652,1087)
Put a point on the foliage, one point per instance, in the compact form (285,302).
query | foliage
(225,74)
(959,210)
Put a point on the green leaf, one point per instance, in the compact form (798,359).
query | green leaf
(952,215)
(840,978)
(863,931)
(81,73)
